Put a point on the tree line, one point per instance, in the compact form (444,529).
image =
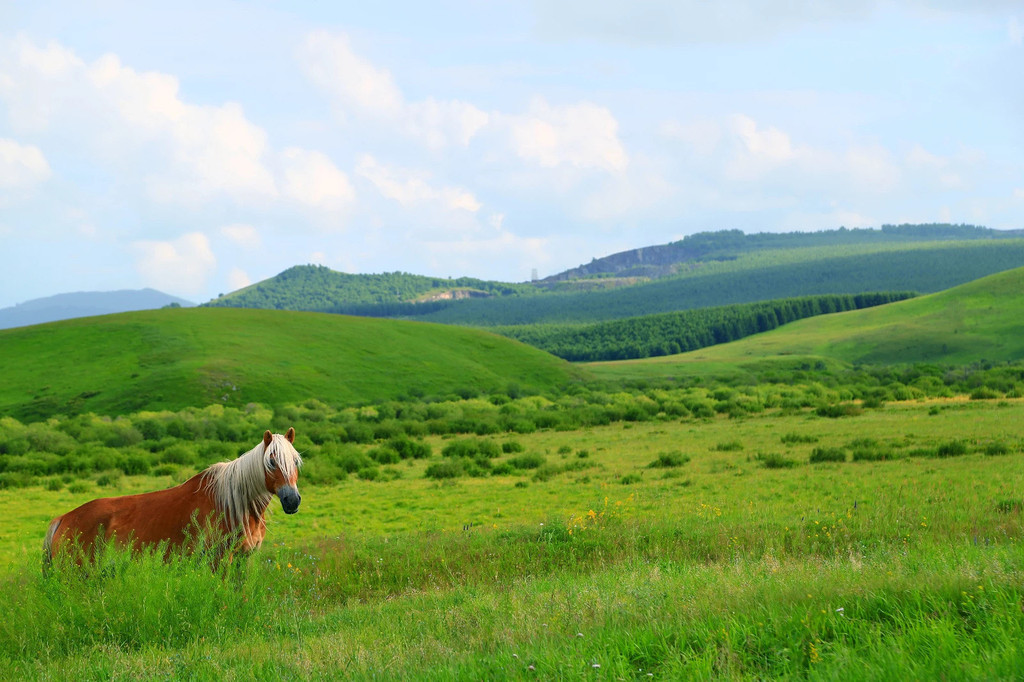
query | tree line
(679,332)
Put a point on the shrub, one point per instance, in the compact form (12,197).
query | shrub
(731,446)
(408,448)
(528,461)
(669,459)
(385,455)
(953,448)
(775,461)
(471,447)
(368,473)
(827,455)
(630,479)
(792,438)
(997,448)
(839,410)
(510,446)
(447,469)
(985,393)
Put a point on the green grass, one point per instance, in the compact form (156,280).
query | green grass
(909,567)
(169,359)
(981,320)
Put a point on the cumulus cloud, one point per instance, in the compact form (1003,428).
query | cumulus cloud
(581,135)
(238,279)
(183,265)
(138,123)
(358,87)
(120,113)
(21,165)
(243,235)
(409,187)
(311,178)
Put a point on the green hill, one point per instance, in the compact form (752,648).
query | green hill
(703,270)
(179,357)
(320,289)
(981,320)
(925,267)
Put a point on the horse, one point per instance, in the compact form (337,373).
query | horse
(227,501)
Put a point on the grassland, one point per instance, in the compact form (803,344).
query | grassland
(169,359)
(983,319)
(732,557)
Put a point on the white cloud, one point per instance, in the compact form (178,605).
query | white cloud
(1018,193)
(582,135)
(1015,31)
(183,265)
(358,87)
(238,279)
(21,165)
(353,81)
(188,151)
(408,187)
(311,178)
(137,123)
(246,236)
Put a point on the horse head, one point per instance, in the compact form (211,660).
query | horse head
(281,469)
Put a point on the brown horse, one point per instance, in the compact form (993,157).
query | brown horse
(228,500)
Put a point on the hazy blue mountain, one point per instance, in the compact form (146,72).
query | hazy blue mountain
(85,304)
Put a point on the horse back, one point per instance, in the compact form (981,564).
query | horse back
(144,519)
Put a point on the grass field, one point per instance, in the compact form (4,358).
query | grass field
(169,359)
(980,320)
(689,548)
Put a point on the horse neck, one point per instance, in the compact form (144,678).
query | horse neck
(238,491)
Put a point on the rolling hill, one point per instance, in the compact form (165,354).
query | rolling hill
(700,271)
(175,358)
(981,320)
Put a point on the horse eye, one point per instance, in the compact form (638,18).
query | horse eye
(272,463)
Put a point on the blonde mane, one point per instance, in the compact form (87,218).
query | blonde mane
(239,488)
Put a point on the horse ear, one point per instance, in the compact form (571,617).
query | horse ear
(290,436)
(267,437)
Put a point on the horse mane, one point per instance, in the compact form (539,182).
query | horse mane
(239,488)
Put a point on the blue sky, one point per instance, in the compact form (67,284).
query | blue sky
(201,147)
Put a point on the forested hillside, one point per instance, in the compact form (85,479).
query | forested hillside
(317,288)
(667,259)
(670,333)
(925,268)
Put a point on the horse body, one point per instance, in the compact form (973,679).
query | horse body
(229,500)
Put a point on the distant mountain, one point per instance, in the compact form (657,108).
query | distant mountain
(85,304)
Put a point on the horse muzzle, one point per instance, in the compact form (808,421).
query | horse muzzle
(290,499)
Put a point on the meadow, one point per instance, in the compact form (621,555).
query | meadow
(785,531)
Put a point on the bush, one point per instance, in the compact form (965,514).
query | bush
(669,459)
(731,446)
(953,448)
(384,455)
(775,461)
(510,446)
(792,438)
(471,447)
(839,410)
(997,448)
(528,461)
(630,479)
(827,455)
(408,448)
(448,469)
